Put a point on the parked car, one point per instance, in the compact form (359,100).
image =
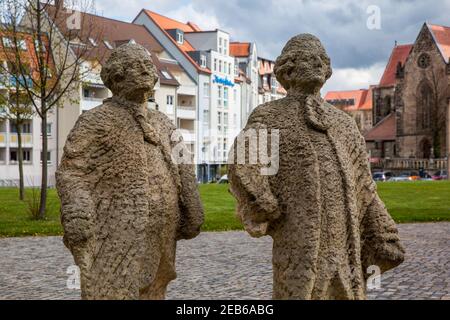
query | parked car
(407,176)
(383,176)
(223,179)
(440,175)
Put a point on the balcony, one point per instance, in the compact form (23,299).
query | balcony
(187,90)
(89,103)
(27,140)
(22,82)
(188,136)
(2,139)
(186,112)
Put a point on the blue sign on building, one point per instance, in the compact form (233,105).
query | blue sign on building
(223,81)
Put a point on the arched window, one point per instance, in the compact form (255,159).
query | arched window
(386,106)
(424,101)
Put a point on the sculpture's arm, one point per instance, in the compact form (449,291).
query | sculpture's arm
(256,204)
(190,204)
(380,241)
(191,209)
(77,207)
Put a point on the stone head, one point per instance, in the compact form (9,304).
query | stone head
(303,65)
(129,73)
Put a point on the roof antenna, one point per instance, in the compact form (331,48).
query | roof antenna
(395,42)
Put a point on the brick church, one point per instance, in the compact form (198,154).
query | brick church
(410,105)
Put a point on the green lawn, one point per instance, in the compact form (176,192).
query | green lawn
(406,201)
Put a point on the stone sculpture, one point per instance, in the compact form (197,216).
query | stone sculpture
(124,200)
(321,207)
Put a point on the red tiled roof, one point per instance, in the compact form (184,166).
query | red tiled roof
(362,98)
(385,130)
(239,49)
(442,36)
(367,102)
(165,23)
(399,54)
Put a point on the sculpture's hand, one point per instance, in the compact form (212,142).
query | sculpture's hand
(265,207)
(78,231)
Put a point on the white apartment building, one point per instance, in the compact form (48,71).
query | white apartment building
(31,134)
(269,88)
(246,70)
(205,56)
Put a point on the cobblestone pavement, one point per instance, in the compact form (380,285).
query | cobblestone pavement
(226,265)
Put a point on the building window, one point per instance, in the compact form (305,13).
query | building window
(180,37)
(108,45)
(206,117)
(424,105)
(206,90)
(219,95)
(265,83)
(235,96)
(236,70)
(220,65)
(27,155)
(22,44)
(225,47)
(36,45)
(229,69)
(13,156)
(225,145)
(26,128)
(93,42)
(7,42)
(220,45)
(49,129)
(224,67)
(166,75)
(219,121)
(203,61)
(49,156)
(169,100)
(225,97)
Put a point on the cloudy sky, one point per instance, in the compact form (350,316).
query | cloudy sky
(358,43)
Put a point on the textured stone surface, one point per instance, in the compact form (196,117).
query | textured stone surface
(321,207)
(124,201)
(227,265)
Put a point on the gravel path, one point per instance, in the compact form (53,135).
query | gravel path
(226,265)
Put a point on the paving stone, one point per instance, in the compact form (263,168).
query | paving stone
(226,265)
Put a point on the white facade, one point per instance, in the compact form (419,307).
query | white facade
(32,146)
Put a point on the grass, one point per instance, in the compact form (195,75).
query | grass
(422,201)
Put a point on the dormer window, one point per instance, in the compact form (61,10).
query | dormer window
(108,45)
(166,74)
(203,61)
(93,42)
(180,37)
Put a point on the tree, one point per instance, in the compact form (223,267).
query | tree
(17,108)
(49,70)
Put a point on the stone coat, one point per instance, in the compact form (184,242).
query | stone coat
(322,247)
(118,184)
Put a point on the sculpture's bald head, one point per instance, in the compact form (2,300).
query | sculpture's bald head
(129,72)
(303,64)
